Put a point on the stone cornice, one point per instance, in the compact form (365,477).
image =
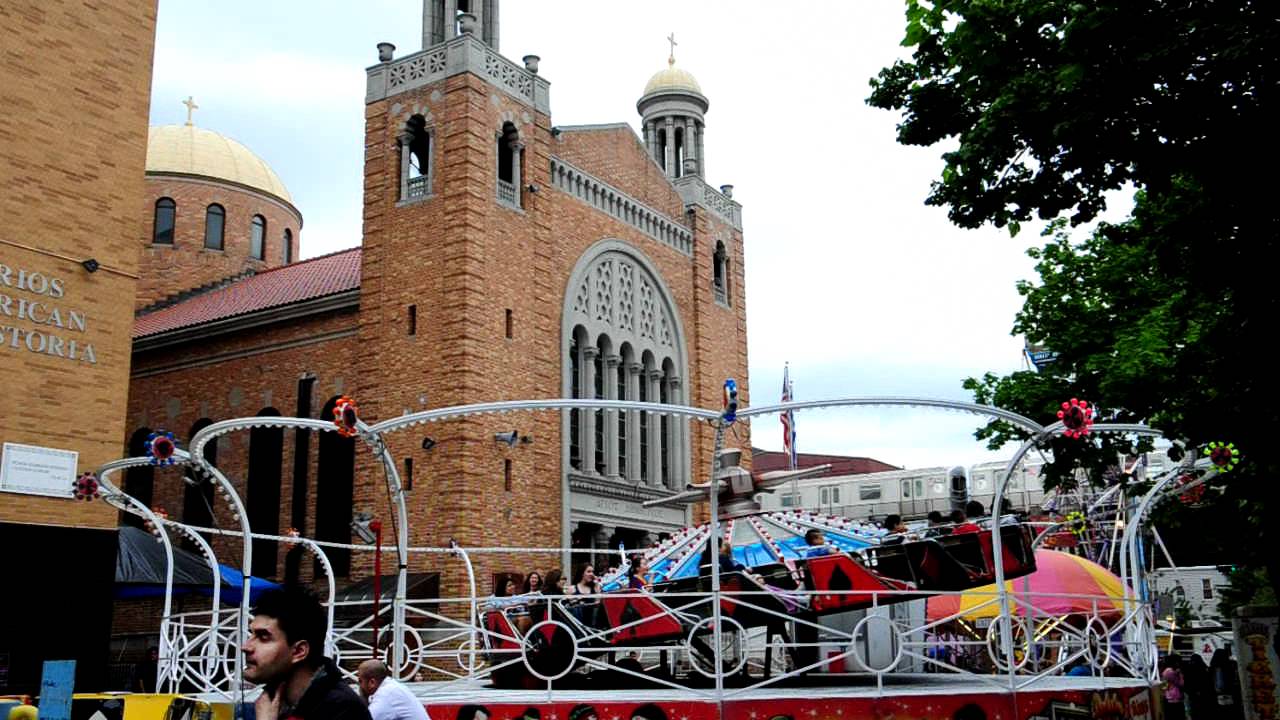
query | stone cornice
(694,191)
(622,207)
(605,487)
(462,54)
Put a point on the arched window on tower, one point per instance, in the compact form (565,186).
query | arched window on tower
(266,453)
(646,419)
(258,238)
(510,158)
(626,357)
(416,167)
(575,386)
(662,148)
(197,497)
(335,477)
(720,278)
(215,218)
(166,214)
(287,249)
(139,482)
(598,393)
(664,426)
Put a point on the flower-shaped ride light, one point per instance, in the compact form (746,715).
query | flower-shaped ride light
(161,446)
(1224,456)
(85,487)
(1076,417)
(345,416)
(1077,523)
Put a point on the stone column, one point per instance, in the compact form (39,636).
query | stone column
(406,139)
(675,433)
(702,168)
(649,141)
(611,363)
(695,140)
(516,147)
(633,423)
(588,424)
(671,147)
(450,19)
(654,377)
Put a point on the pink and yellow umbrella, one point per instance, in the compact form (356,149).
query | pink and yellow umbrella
(1062,584)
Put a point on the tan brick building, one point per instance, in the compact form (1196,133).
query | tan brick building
(502,258)
(75,81)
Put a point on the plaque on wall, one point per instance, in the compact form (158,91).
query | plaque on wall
(38,470)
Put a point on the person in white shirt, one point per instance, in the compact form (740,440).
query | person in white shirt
(387,698)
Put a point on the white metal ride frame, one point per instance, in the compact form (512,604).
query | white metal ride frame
(208,653)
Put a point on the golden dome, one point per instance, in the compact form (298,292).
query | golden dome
(189,150)
(672,79)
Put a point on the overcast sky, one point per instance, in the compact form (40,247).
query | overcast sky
(850,277)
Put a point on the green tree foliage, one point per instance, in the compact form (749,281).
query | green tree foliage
(1168,317)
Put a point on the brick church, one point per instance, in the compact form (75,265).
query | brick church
(503,257)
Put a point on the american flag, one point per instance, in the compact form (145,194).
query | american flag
(788,421)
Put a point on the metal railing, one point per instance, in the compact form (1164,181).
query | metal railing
(448,639)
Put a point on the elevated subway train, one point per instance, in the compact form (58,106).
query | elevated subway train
(913,493)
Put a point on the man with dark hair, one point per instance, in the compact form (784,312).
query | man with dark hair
(974,510)
(387,698)
(285,654)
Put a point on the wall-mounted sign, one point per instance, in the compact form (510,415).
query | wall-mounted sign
(38,470)
(33,318)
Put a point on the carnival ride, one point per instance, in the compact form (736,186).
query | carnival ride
(708,626)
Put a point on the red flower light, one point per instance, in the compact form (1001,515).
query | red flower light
(1076,417)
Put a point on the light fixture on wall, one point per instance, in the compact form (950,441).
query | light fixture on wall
(510,437)
(362,524)
(428,443)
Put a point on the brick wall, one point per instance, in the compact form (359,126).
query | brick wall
(173,388)
(617,155)
(74,85)
(186,264)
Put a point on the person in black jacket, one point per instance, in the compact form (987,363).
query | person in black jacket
(285,654)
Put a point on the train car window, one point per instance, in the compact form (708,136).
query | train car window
(869,491)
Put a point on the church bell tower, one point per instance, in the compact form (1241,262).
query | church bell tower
(443,20)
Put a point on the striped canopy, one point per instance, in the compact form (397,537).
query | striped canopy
(1057,576)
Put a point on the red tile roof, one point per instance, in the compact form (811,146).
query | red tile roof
(765,460)
(305,280)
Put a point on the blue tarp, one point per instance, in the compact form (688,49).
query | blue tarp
(140,571)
